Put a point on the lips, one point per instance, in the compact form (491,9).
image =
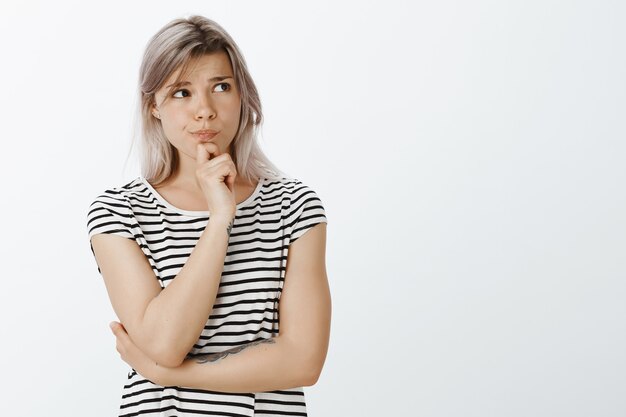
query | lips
(205,134)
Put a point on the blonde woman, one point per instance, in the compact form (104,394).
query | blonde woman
(213,260)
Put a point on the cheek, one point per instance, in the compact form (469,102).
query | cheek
(173,120)
(236,111)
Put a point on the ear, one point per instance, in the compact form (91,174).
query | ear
(154,109)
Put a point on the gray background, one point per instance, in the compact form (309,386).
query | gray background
(470,157)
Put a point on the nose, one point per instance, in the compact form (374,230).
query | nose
(206,109)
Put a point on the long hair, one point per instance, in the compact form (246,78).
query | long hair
(176,46)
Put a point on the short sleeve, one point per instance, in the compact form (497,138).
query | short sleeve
(110,214)
(307,210)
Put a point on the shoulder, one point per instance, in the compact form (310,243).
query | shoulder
(304,209)
(111,211)
(301,195)
(118,197)
(294,187)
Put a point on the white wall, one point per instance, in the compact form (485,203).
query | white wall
(470,157)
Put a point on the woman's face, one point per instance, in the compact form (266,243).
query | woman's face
(206,99)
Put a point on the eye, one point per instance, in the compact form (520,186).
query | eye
(180,91)
(226,86)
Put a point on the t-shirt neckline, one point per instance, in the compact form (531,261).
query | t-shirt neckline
(198,213)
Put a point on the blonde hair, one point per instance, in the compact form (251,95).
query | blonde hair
(176,46)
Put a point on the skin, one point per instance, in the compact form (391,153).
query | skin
(296,356)
(202,104)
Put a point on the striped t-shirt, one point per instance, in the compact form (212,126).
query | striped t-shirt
(246,308)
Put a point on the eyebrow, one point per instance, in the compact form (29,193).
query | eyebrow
(218,78)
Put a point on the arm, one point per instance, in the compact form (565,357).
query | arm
(163,323)
(292,359)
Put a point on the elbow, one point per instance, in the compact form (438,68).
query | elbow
(311,379)
(166,356)
(313,375)
(161,350)
(314,366)
(307,361)
(170,361)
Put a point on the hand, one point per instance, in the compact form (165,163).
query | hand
(131,354)
(216,177)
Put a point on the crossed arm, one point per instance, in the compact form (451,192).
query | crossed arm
(294,358)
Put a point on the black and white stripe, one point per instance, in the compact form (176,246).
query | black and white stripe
(246,308)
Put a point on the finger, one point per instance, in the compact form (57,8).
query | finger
(201,154)
(226,167)
(118,343)
(231,176)
(206,151)
(118,330)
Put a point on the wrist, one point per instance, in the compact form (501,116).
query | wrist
(223,219)
(221,222)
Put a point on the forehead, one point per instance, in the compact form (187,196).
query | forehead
(203,67)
